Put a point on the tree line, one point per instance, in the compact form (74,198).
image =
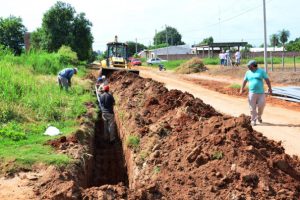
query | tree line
(62,26)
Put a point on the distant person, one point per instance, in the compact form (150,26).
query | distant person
(107,103)
(237,56)
(64,77)
(228,58)
(222,58)
(256,97)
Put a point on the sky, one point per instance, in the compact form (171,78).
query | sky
(224,20)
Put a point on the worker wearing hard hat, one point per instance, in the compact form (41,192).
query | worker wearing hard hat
(64,77)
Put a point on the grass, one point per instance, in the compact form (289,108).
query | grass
(173,64)
(235,86)
(133,142)
(218,155)
(156,170)
(30,100)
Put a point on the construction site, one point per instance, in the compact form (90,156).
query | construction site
(212,113)
(186,149)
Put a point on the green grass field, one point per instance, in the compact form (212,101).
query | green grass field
(30,100)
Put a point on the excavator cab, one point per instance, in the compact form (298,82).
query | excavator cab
(116,58)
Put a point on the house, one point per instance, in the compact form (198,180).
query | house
(170,50)
(269,49)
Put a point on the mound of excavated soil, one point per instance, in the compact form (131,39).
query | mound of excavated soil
(190,151)
(187,150)
(193,65)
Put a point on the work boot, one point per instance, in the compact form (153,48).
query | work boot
(260,120)
(253,123)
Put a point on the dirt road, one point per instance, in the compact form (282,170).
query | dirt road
(279,124)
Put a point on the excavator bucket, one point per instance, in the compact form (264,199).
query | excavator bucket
(108,71)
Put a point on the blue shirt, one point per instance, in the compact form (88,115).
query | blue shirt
(67,73)
(256,84)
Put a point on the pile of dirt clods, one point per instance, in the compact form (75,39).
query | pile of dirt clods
(190,151)
(187,150)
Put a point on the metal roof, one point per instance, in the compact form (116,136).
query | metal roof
(291,93)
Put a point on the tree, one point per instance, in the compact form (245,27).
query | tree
(131,48)
(82,37)
(57,25)
(170,35)
(274,40)
(284,36)
(61,26)
(208,40)
(12,33)
(37,39)
(293,45)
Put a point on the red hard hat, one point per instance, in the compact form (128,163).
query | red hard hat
(106,88)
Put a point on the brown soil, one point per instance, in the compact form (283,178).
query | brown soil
(225,88)
(187,150)
(287,77)
(198,153)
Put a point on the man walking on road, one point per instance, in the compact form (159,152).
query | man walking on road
(64,77)
(107,103)
(256,97)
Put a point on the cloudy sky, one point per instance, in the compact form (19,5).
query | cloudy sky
(224,20)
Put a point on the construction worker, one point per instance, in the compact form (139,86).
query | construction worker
(101,82)
(64,77)
(107,103)
(256,97)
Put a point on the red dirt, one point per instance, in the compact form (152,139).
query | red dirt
(187,150)
(199,154)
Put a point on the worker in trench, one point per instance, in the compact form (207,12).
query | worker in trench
(106,104)
(64,77)
(256,97)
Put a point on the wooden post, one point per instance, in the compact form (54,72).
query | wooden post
(294,63)
(272,66)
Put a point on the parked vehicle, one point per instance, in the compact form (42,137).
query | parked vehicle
(136,62)
(153,61)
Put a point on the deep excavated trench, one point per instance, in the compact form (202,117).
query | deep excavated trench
(109,164)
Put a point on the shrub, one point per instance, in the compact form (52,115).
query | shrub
(13,131)
(67,56)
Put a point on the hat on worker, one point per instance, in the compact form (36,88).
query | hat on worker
(252,62)
(75,70)
(103,77)
(106,88)
(99,79)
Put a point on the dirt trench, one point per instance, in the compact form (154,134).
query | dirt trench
(187,150)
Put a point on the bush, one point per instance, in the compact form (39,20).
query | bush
(12,131)
(67,56)
(193,65)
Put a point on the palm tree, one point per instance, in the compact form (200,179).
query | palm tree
(283,37)
(274,40)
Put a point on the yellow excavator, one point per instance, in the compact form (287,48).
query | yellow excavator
(116,59)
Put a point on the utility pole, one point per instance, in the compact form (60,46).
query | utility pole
(265,37)
(135,45)
(167,43)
